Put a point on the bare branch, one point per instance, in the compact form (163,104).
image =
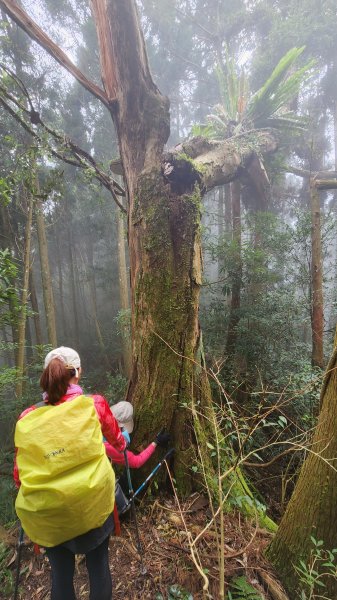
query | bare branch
(325,184)
(312,174)
(209,34)
(35,32)
(79,157)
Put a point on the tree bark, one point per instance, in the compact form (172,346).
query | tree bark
(123,292)
(60,282)
(317,318)
(89,270)
(35,308)
(221,210)
(47,288)
(72,282)
(24,299)
(228,209)
(234,317)
(313,506)
(321,180)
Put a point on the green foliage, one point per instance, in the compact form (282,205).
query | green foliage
(277,92)
(233,88)
(123,320)
(115,388)
(268,107)
(203,130)
(241,589)
(9,305)
(8,377)
(5,191)
(7,490)
(321,564)
(175,592)
(9,405)
(6,577)
(271,314)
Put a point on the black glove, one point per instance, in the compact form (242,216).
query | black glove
(162,438)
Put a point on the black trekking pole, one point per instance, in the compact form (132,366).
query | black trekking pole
(149,477)
(18,560)
(134,515)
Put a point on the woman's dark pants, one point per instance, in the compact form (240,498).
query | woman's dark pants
(62,563)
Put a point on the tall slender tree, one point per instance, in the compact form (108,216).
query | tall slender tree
(25,292)
(47,286)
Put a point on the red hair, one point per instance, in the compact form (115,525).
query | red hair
(55,380)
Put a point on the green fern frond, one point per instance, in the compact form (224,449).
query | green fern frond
(217,121)
(268,107)
(203,130)
(284,122)
(241,589)
(261,99)
(232,87)
(290,86)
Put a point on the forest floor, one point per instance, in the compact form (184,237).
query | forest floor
(166,532)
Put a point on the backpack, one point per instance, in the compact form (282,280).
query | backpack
(67,482)
(122,502)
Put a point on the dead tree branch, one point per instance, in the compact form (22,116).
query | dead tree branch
(36,33)
(66,150)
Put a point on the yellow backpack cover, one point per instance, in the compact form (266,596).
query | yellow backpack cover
(67,482)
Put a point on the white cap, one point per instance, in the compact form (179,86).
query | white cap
(123,412)
(69,356)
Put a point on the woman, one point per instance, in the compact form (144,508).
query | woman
(123,413)
(66,484)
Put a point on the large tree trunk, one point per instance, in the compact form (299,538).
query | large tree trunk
(164,237)
(312,510)
(164,240)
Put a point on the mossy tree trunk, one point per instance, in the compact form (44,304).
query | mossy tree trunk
(312,510)
(164,212)
(166,329)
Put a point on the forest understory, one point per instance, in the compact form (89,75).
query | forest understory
(166,531)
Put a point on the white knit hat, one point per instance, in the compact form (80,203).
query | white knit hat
(69,356)
(123,412)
